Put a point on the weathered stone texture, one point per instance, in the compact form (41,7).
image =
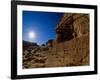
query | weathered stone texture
(73,39)
(72,25)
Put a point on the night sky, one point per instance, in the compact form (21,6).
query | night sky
(43,24)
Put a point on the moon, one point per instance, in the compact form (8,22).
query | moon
(31,35)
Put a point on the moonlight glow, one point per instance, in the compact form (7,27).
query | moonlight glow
(31,35)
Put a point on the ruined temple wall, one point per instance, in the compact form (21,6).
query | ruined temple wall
(78,22)
(76,48)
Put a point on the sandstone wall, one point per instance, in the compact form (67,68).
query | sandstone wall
(72,25)
(73,39)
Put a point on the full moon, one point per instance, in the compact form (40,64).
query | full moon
(31,35)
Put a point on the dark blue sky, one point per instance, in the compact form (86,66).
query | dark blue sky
(43,24)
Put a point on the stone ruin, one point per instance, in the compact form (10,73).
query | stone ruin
(72,25)
(72,39)
(50,43)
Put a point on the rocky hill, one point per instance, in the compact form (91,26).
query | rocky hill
(34,55)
